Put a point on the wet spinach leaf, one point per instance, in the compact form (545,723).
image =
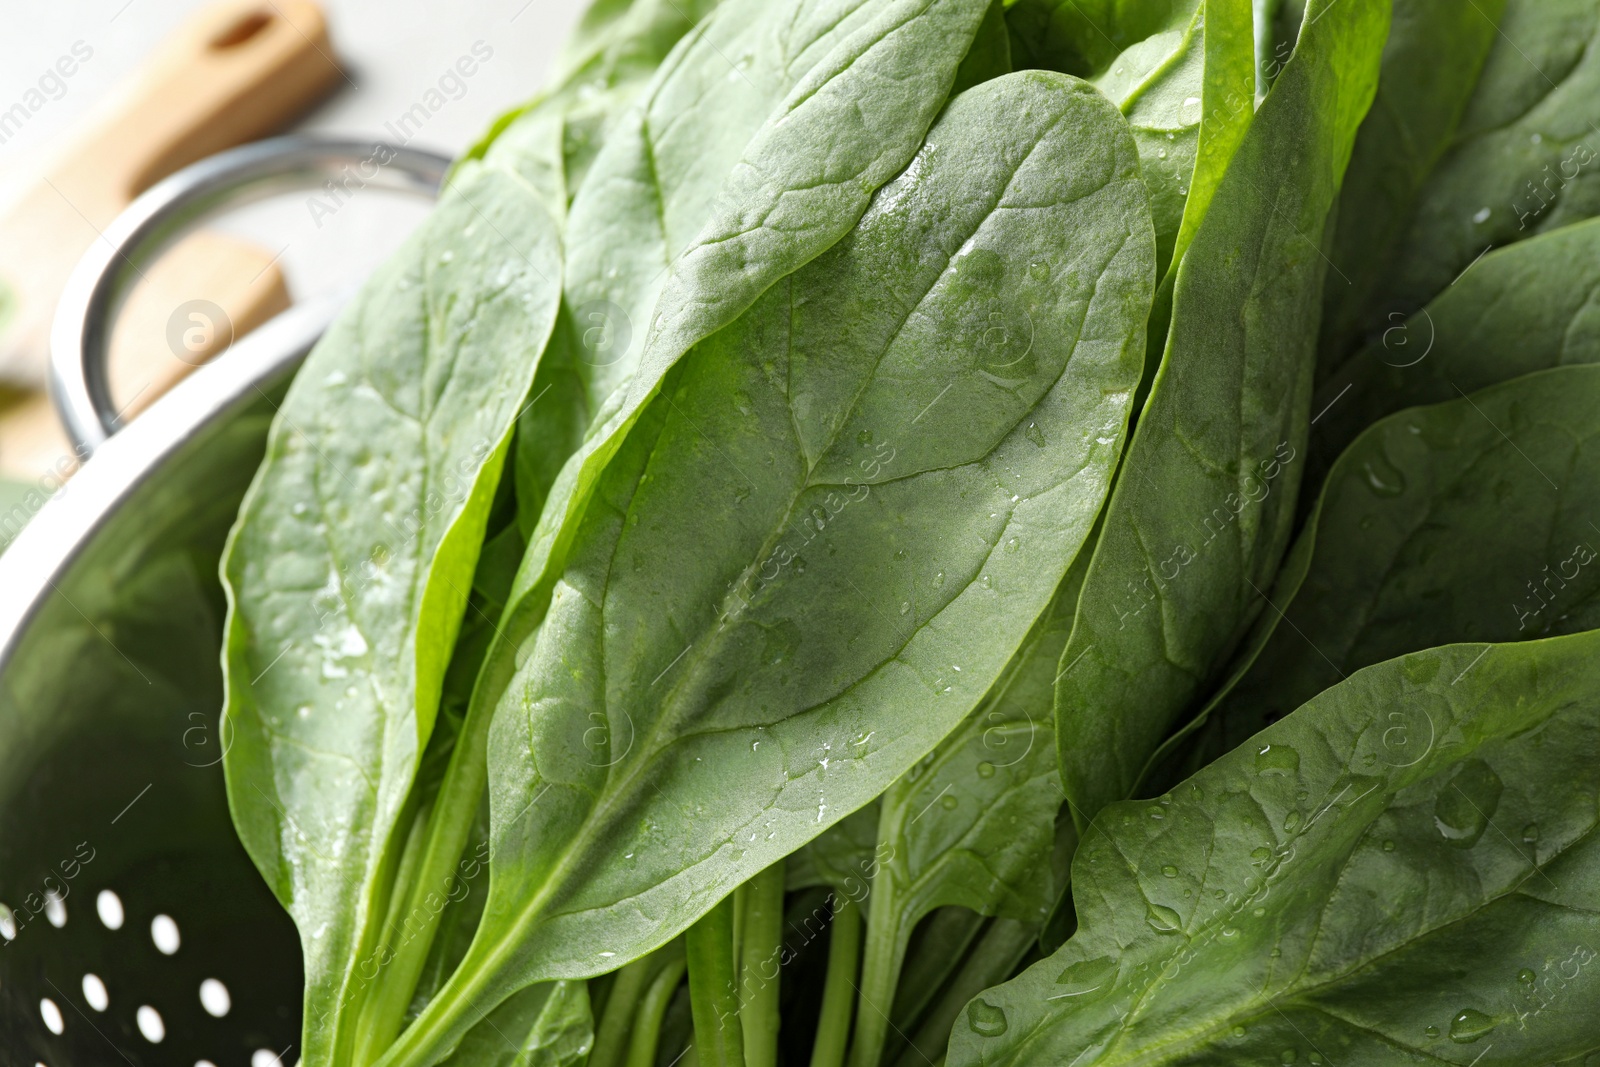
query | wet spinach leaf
(1401,871)
(1204,505)
(899,475)
(349,568)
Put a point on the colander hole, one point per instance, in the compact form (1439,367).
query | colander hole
(94,991)
(52,1017)
(265,1057)
(164,932)
(8,923)
(214,998)
(55,910)
(150,1024)
(109,905)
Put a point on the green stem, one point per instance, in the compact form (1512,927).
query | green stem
(612,1043)
(435,873)
(760,953)
(714,988)
(839,987)
(646,1037)
(880,965)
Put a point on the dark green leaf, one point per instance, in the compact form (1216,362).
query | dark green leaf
(1204,505)
(1521,309)
(1473,520)
(1403,871)
(1431,65)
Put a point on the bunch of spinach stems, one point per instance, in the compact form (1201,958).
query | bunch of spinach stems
(712,597)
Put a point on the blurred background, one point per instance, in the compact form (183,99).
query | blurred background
(100,98)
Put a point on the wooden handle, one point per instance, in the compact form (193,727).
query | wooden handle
(234,72)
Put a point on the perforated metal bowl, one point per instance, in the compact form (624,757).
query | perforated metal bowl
(134,929)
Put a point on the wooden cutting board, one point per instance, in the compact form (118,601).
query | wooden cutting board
(234,72)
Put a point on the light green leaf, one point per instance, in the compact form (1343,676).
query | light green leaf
(867,76)
(703,198)
(1203,508)
(1403,871)
(611,55)
(349,568)
(1473,520)
(18,503)
(1183,74)
(895,490)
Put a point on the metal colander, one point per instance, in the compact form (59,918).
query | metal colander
(135,929)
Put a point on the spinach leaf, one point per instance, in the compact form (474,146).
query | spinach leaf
(1387,571)
(1401,871)
(1431,64)
(349,568)
(18,502)
(910,536)
(682,224)
(1183,74)
(1522,162)
(613,52)
(547,1025)
(1524,308)
(880,69)
(971,825)
(1203,508)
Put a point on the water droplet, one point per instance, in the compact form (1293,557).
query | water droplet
(1086,976)
(985,582)
(1291,821)
(1482,216)
(1258,912)
(1162,919)
(905,607)
(1277,760)
(1530,834)
(1469,1025)
(985,1019)
(1261,853)
(1315,1057)
(1289,1056)
(1432,1031)
(1011,545)
(1525,976)
(1238,1031)
(938,579)
(1230,932)
(1382,477)
(1388,845)
(1170,871)
(1034,434)
(864,437)
(1467,803)
(948,803)
(985,769)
